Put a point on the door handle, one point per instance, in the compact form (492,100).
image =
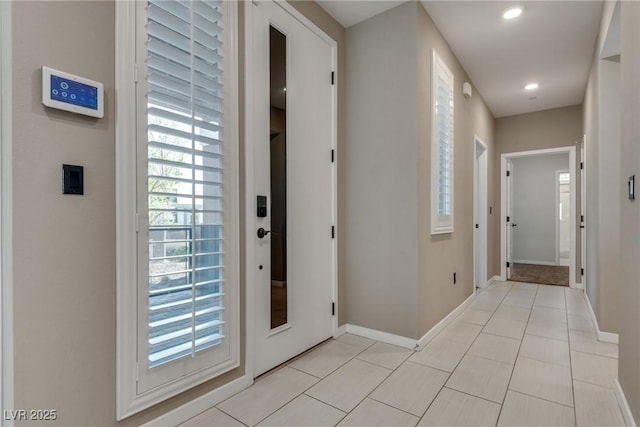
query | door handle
(514,225)
(262,232)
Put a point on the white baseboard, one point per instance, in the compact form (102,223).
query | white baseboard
(341,330)
(624,405)
(524,261)
(405,342)
(602,336)
(430,335)
(494,279)
(577,286)
(385,337)
(200,404)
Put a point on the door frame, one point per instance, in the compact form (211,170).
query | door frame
(583,211)
(557,184)
(480,203)
(249,167)
(571,150)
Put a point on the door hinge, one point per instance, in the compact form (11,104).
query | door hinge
(333,77)
(581,165)
(582,271)
(508,264)
(477,225)
(333,308)
(333,231)
(581,218)
(508,173)
(333,155)
(508,219)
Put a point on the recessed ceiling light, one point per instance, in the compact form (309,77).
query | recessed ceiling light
(531,86)
(512,12)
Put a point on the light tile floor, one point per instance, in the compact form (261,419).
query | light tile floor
(520,355)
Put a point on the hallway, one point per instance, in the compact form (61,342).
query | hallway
(520,354)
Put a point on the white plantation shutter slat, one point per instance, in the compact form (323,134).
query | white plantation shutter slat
(186,175)
(442,147)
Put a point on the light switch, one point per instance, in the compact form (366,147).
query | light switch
(72,179)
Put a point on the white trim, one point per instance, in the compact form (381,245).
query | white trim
(405,342)
(200,404)
(494,279)
(602,336)
(577,286)
(431,334)
(583,209)
(125,61)
(480,202)
(624,405)
(524,261)
(6,215)
(441,224)
(249,177)
(557,204)
(381,336)
(503,208)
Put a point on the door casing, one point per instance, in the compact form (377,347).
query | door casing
(504,188)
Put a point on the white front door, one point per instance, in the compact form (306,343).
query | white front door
(291,122)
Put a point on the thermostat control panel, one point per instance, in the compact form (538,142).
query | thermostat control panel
(67,92)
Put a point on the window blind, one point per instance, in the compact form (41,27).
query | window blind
(444,114)
(185,174)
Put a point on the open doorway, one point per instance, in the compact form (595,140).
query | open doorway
(539,216)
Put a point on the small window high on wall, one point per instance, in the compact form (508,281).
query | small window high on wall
(441,147)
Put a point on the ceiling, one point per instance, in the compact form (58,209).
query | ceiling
(551,43)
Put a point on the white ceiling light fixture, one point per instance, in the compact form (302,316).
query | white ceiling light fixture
(512,12)
(531,86)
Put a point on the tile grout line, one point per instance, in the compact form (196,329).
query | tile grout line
(463,356)
(286,365)
(517,354)
(440,370)
(573,391)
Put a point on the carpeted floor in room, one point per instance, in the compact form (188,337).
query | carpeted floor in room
(543,274)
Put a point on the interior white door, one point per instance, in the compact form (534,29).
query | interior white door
(293,103)
(480,214)
(510,222)
(583,210)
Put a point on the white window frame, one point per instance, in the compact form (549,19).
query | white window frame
(129,399)
(440,224)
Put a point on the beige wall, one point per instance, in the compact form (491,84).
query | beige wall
(440,256)
(628,371)
(400,278)
(64,308)
(602,129)
(381,173)
(558,127)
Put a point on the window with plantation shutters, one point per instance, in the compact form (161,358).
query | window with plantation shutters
(184,179)
(186,233)
(441,147)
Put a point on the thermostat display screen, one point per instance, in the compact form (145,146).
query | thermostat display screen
(73,92)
